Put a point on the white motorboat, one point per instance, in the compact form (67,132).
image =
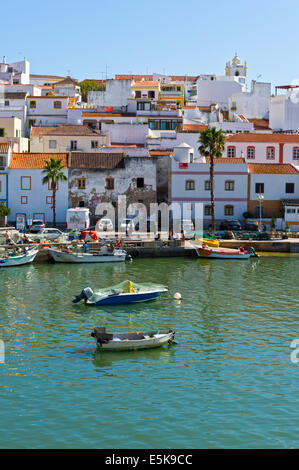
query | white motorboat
(222,253)
(132,341)
(18,258)
(65,255)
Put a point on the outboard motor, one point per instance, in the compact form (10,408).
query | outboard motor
(85,295)
(253,252)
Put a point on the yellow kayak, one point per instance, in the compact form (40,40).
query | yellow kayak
(209,242)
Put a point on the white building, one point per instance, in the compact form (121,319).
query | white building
(284,110)
(15,72)
(253,104)
(27,194)
(263,148)
(116,94)
(67,138)
(190,184)
(47,110)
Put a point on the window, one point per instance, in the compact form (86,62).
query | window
(1,132)
(190,185)
(2,163)
(140,182)
(52,144)
(231,152)
(137,94)
(229,185)
(73,145)
(26,183)
(259,188)
(208,210)
(151,94)
(31,122)
(81,183)
(207,185)
(228,210)
(178,88)
(290,188)
(94,144)
(270,153)
(251,153)
(32,105)
(57,104)
(143,106)
(191,157)
(49,199)
(110,183)
(6,103)
(296,153)
(291,211)
(24,199)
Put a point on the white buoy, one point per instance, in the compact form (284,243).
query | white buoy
(177,296)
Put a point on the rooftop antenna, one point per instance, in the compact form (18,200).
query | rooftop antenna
(259,76)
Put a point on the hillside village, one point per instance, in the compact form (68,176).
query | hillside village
(137,136)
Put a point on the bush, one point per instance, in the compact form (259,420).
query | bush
(4,211)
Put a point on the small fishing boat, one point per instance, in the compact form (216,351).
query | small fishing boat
(66,255)
(220,253)
(124,293)
(132,341)
(17,258)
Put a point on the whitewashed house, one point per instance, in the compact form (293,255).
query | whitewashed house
(190,183)
(49,110)
(27,194)
(67,138)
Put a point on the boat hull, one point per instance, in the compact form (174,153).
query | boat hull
(222,255)
(134,345)
(65,257)
(128,298)
(18,260)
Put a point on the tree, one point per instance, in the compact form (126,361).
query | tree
(90,85)
(4,212)
(212,145)
(53,174)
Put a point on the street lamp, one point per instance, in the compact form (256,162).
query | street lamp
(260,198)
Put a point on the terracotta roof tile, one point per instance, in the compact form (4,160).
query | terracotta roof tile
(96,160)
(194,127)
(145,84)
(271,138)
(160,152)
(259,124)
(34,161)
(65,129)
(272,168)
(38,131)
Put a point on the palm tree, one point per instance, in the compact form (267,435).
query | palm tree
(212,145)
(53,173)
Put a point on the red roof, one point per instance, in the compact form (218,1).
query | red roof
(272,168)
(226,160)
(34,161)
(269,138)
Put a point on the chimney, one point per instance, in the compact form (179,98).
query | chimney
(4,59)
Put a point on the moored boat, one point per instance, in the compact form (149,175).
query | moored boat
(132,341)
(66,255)
(17,258)
(124,293)
(221,253)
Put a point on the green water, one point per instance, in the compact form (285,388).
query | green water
(228,382)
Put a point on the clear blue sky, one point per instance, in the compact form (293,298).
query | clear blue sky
(164,36)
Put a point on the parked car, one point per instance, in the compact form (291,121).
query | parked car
(37,225)
(251,226)
(230,225)
(50,233)
(105,225)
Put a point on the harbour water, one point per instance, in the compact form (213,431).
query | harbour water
(228,382)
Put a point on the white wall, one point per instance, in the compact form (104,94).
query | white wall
(126,133)
(216,91)
(36,196)
(253,104)
(116,94)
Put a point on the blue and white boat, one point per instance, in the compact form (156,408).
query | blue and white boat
(124,293)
